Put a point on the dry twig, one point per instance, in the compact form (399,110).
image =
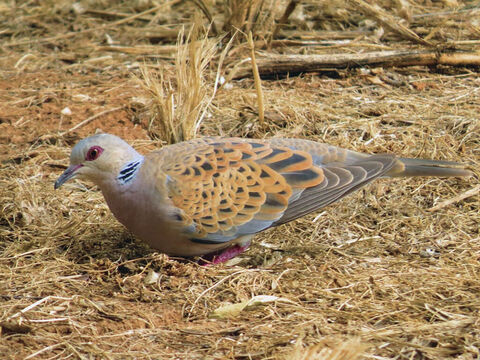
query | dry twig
(95,29)
(258,82)
(389,21)
(460,197)
(283,20)
(275,63)
(90,119)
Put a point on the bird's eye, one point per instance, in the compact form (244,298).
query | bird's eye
(93,153)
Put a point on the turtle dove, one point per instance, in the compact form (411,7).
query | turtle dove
(212,195)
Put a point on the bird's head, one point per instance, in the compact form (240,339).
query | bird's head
(98,158)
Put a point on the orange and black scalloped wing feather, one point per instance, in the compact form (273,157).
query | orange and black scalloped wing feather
(221,189)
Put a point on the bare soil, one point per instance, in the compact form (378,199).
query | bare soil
(376,276)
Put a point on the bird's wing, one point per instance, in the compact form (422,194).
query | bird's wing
(344,172)
(322,154)
(226,188)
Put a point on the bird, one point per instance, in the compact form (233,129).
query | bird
(209,196)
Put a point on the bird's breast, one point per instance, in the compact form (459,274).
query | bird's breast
(144,211)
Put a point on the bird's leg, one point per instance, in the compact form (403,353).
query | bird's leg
(225,255)
(230,253)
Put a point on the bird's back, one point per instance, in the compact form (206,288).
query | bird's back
(220,189)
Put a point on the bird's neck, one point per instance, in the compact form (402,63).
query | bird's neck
(129,170)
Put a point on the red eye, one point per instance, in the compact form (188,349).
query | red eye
(93,153)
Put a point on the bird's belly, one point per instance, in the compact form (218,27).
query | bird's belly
(150,223)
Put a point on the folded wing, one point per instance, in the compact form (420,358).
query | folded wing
(221,189)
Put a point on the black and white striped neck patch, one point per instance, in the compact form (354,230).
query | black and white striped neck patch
(129,171)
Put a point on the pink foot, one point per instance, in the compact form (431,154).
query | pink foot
(225,255)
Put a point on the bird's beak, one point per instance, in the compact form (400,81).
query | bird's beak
(67,175)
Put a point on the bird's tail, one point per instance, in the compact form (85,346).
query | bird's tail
(420,167)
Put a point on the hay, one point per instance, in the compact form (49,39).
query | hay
(376,276)
(179,109)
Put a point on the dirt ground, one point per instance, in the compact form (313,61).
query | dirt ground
(391,272)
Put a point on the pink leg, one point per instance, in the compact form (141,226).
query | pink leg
(225,255)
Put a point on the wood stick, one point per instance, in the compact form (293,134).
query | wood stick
(112,15)
(451,14)
(95,29)
(283,20)
(90,119)
(155,32)
(140,49)
(457,198)
(206,11)
(389,21)
(282,64)
(256,77)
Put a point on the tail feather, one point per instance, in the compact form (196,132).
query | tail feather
(422,167)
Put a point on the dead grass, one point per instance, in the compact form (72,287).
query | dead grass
(376,276)
(178,107)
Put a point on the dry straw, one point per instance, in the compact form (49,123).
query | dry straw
(180,106)
(376,276)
